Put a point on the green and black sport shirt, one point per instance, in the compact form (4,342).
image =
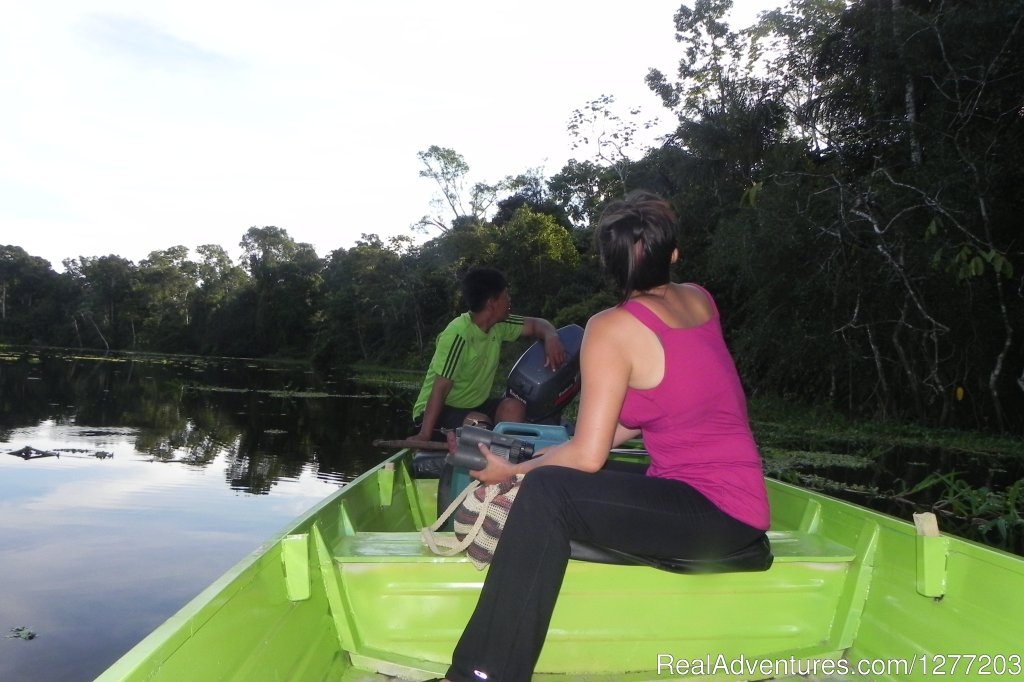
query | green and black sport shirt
(468,357)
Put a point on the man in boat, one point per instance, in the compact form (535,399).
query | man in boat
(457,388)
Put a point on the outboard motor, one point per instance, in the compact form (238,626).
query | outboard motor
(546,392)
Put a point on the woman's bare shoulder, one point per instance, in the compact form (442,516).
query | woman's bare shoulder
(695,302)
(610,317)
(613,324)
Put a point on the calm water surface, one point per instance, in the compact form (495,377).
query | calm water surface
(128,486)
(138,483)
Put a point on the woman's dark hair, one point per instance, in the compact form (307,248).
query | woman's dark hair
(480,285)
(635,239)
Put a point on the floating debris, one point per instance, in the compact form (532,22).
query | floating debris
(106,433)
(21,632)
(29,452)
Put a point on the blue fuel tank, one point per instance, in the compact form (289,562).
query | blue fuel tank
(455,479)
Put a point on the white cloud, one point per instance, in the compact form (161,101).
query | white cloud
(131,127)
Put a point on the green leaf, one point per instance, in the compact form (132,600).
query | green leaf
(1001,264)
(977,266)
(750,195)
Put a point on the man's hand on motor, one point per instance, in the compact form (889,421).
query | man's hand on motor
(554,352)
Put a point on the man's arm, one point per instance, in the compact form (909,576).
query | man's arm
(435,403)
(553,348)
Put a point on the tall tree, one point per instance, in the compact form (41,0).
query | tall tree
(27,297)
(887,199)
(167,280)
(538,256)
(373,302)
(449,170)
(109,309)
(217,322)
(286,278)
(582,188)
(610,137)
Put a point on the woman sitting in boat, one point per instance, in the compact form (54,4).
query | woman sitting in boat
(654,366)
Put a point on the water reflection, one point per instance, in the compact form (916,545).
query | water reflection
(270,422)
(146,480)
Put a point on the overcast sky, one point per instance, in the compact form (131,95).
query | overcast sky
(127,126)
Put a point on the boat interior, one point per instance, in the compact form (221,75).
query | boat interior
(351,593)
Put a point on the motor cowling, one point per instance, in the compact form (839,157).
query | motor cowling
(544,391)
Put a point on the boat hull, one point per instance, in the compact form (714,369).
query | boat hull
(348,592)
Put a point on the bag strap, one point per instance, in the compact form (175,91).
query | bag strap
(445,545)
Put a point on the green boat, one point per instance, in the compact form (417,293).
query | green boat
(350,593)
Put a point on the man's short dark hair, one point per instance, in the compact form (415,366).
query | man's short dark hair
(480,285)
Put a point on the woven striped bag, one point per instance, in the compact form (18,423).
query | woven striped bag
(480,515)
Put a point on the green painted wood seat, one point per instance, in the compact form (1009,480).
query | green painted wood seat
(755,557)
(388,547)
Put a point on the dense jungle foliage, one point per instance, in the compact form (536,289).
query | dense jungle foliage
(848,180)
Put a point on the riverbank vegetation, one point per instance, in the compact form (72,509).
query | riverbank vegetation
(848,181)
(973,481)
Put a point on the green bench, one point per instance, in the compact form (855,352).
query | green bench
(374,547)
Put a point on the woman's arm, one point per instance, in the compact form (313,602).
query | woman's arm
(622,434)
(605,367)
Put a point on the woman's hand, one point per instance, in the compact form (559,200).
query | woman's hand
(497,470)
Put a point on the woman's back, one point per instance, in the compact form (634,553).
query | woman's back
(686,397)
(678,306)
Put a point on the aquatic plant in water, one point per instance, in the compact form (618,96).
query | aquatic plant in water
(984,510)
(21,632)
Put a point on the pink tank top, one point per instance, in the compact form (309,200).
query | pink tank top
(694,422)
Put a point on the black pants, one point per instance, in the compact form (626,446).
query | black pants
(452,418)
(614,507)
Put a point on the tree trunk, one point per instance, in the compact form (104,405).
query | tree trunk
(997,369)
(78,334)
(913,382)
(909,100)
(102,338)
(880,368)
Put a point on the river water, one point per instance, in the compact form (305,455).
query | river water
(129,485)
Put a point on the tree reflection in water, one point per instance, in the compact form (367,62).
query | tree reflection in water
(269,421)
(165,472)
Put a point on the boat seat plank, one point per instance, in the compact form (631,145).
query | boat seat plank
(373,547)
(378,547)
(799,546)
